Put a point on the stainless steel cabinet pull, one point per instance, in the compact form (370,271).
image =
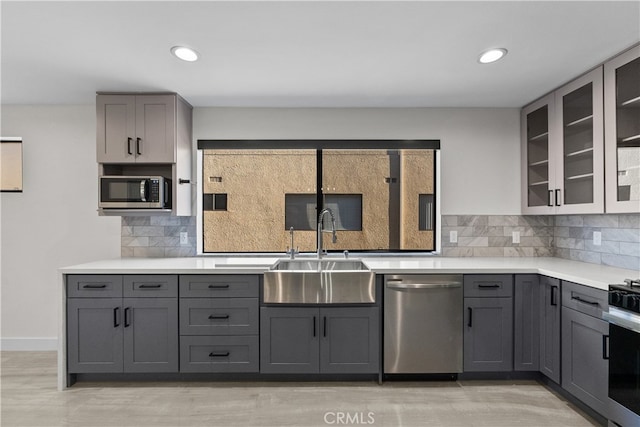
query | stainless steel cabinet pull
(470,316)
(138,145)
(219,354)
(129,140)
(98,286)
(399,285)
(225,286)
(127,320)
(584,301)
(218,316)
(151,286)
(116,317)
(605,347)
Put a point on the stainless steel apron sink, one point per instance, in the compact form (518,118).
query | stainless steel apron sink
(319,281)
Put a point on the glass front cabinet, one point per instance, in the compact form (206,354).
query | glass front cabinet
(563,149)
(622,132)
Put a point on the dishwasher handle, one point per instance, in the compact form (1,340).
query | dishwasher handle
(397,284)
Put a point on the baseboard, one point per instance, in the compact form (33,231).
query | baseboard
(28,344)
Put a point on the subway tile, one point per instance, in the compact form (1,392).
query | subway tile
(622,261)
(561,231)
(148,231)
(148,252)
(543,231)
(543,251)
(492,231)
(621,234)
(457,252)
(473,241)
(631,249)
(524,231)
(585,256)
(629,221)
(126,252)
(472,220)
(536,220)
(488,252)
(606,246)
(502,220)
(136,220)
(582,232)
(501,241)
(127,230)
(569,220)
(561,253)
(449,220)
(166,241)
(181,251)
(519,252)
(134,241)
(535,241)
(600,221)
(176,230)
(569,243)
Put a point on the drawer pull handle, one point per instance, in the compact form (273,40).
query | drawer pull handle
(219,354)
(584,301)
(150,286)
(218,316)
(493,286)
(225,286)
(99,286)
(605,347)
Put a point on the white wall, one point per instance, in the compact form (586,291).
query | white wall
(480,148)
(53,223)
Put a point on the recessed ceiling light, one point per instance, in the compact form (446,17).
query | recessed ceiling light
(492,55)
(185,53)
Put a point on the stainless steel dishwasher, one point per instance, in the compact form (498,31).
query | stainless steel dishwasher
(423,324)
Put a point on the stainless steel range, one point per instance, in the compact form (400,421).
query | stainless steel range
(624,352)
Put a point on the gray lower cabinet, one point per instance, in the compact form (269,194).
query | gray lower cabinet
(550,327)
(299,340)
(585,346)
(122,334)
(526,323)
(488,323)
(219,323)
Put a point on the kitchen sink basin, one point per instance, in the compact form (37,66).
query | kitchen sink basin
(319,265)
(319,281)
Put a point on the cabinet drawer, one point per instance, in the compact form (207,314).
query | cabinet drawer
(584,299)
(146,285)
(220,285)
(218,316)
(219,354)
(94,286)
(488,285)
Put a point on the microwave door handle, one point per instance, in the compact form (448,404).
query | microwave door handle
(143,191)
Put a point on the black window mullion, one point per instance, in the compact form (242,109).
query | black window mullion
(319,192)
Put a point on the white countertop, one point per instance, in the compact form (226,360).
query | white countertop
(594,275)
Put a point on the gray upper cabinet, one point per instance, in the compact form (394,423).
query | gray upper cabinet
(563,149)
(526,323)
(550,327)
(140,128)
(622,131)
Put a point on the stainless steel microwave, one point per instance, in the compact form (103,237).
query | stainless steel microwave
(134,192)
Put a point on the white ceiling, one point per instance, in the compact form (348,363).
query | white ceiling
(306,53)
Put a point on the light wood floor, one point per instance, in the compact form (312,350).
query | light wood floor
(30,398)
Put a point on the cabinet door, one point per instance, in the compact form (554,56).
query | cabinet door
(155,128)
(585,365)
(289,341)
(622,132)
(526,323)
(94,335)
(550,328)
(538,175)
(488,332)
(150,334)
(350,340)
(116,128)
(579,186)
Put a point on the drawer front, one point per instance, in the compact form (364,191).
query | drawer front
(488,285)
(220,285)
(147,285)
(585,299)
(219,316)
(219,354)
(94,286)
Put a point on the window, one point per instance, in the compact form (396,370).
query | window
(383,199)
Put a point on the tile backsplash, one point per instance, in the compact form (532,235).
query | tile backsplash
(561,236)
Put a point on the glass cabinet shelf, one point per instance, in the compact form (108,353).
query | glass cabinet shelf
(539,137)
(635,139)
(631,101)
(582,176)
(540,163)
(535,184)
(585,121)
